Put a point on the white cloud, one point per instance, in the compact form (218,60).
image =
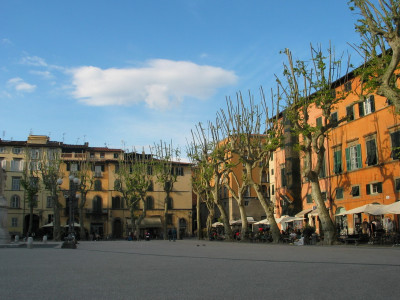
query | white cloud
(44,74)
(20,85)
(33,61)
(159,83)
(6,41)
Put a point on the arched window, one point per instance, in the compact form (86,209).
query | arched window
(97,204)
(149,202)
(15,201)
(170,203)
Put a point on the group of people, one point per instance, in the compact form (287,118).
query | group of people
(372,228)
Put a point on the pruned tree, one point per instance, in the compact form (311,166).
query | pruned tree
(252,135)
(379,27)
(31,183)
(212,154)
(165,157)
(86,183)
(201,178)
(307,88)
(51,172)
(134,180)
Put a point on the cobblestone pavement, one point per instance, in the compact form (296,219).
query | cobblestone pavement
(192,269)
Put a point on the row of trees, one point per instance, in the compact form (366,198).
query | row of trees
(246,134)
(135,174)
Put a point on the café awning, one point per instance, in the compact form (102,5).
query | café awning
(151,223)
(371,209)
(303,212)
(250,220)
(262,222)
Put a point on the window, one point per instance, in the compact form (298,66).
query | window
(309,198)
(353,157)
(179,171)
(35,153)
(334,119)
(117,185)
(339,193)
(98,170)
(265,191)
(14,222)
(372,158)
(246,192)
(16,165)
(264,177)
(283,175)
(395,137)
(169,219)
(50,218)
(149,170)
(319,122)
(73,167)
(374,188)
(149,202)
(3,163)
(116,155)
(397,184)
(49,202)
(355,191)
(92,155)
(337,161)
(102,154)
(16,183)
(246,203)
(17,150)
(2,150)
(322,171)
(271,158)
(350,113)
(272,190)
(97,204)
(347,86)
(116,202)
(272,171)
(15,201)
(366,107)
(151,187)
(97,185)
(170,203)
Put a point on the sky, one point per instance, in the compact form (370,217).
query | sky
(130,73)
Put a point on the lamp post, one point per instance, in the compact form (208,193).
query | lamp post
(74,182)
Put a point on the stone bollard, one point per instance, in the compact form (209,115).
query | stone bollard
(16,239)
(45,239)
(30,242)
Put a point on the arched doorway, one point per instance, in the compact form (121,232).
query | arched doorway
(35,223)
(117,229)
(182,227)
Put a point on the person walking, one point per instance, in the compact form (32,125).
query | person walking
(174,234)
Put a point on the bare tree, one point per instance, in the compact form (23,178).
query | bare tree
(50,169)
(165,156)
(379,26)
(31,183)
(134,180)
(253,135)
(212,154)
(308,88)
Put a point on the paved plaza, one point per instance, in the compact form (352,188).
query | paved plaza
(192,269)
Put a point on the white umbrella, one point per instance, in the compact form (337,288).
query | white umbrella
(393,208)
(48,225)
(217,224)
(262,222)
(371,209)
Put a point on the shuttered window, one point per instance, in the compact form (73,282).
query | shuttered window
(353,157)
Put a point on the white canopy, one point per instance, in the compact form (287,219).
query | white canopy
(250,220)
(371,209)
(262,222)
(217,224)
(303,212)
(393,208)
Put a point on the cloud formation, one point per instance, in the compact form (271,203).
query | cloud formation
(20,85)
(159,83)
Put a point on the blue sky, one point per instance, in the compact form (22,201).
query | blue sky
(137,72)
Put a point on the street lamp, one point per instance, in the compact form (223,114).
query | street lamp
(74,182)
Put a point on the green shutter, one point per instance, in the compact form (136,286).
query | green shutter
(379,187)
(368,188)
(348,165)
(361,108)
(359,158)
(372,102)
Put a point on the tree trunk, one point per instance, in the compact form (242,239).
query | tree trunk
(56,220)
(328,227)
(82,217)
(269,211)
(244,234)
(198,217)
(30,219)
(165,229)
(227,227)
